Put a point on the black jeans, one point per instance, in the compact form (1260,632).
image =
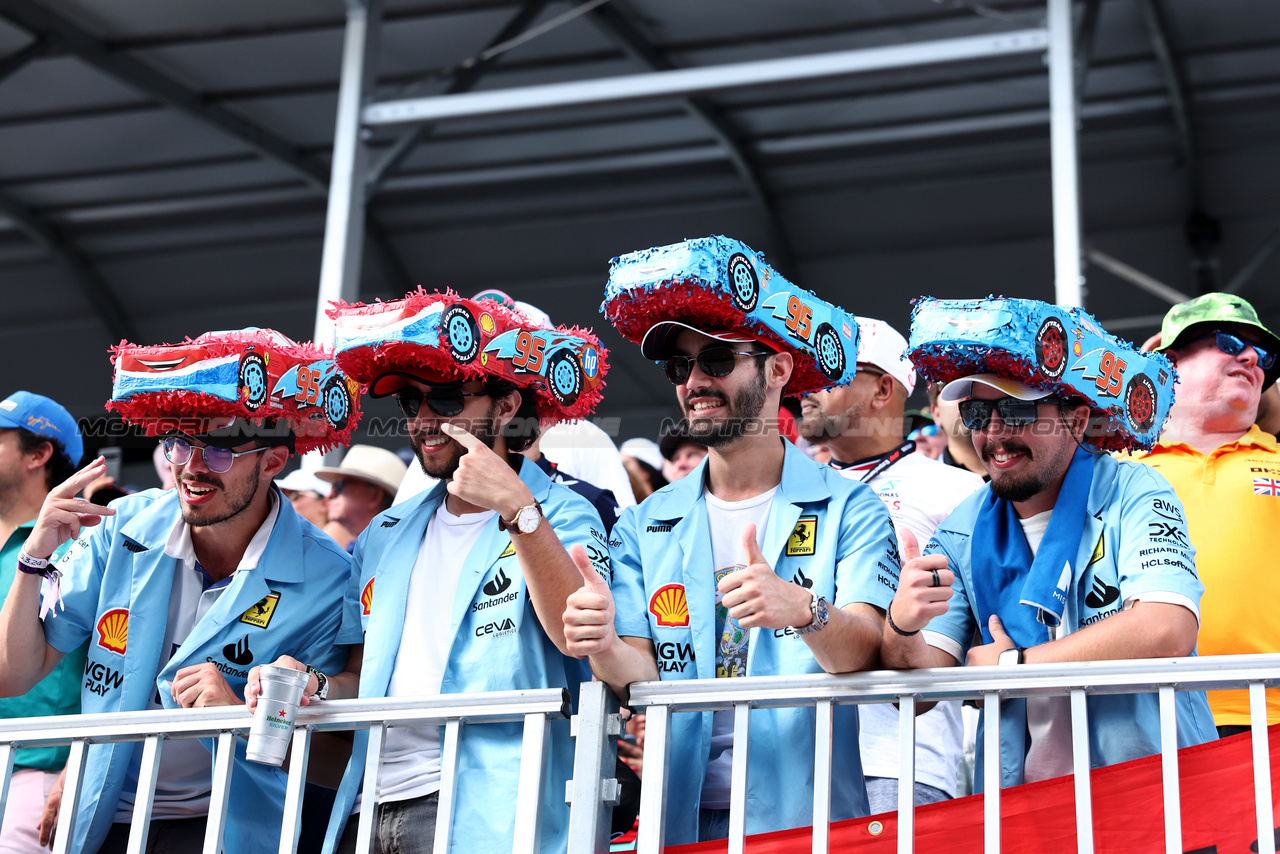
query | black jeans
(166,836)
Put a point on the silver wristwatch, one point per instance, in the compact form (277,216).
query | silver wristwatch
(820,610)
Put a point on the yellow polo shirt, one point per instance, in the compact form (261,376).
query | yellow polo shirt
(1232,500)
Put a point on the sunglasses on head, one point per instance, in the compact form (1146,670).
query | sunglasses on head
(218,460)
(976,414)
(1233,345)
(713,361)
(445,402)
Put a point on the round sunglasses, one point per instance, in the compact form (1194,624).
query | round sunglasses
(713,361)
(217,460)
(445,402)
(976,414)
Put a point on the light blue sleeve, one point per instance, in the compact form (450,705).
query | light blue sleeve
(868,563)
(958,623)
(1153,552)
(576,522)
(352,629)
(82,566)
(631,614)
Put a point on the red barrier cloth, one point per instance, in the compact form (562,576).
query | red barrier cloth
(1216,788)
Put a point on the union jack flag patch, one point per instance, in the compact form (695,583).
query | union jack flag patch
(1266,486)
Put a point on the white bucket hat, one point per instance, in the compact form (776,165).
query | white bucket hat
(376,465)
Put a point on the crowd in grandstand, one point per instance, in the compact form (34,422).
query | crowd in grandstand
(1055,502)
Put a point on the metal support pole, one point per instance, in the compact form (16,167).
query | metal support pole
(1063,118)
(594,789)
(344,224)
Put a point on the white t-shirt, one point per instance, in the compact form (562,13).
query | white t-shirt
(919,493)
(411,759)
(185,778)
(725,519)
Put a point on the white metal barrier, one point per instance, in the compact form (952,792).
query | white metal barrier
(909,688)
(225,724)
(593,789)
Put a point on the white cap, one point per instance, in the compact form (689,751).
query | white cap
(644,450)
(883,347)
(303,481)
(962,388)
(376,465)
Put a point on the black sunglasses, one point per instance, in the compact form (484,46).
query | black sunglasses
(713,361)
(976,414)
(1233,345)
(445,402)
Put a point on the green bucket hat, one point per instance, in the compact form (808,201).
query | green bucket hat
(1185,321)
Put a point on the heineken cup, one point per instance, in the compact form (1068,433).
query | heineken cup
(272,727)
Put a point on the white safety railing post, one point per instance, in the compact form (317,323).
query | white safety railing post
(295,787)
(1082,769)
(738,778)
(70,796)
(991,772)
(906,775)
(594,789)
(6,766)
(533,758)
(650,837)
(448,796)
(224,754)
(1261,767)
(144,797)
(369,791)
(340,259)
(1169,770)
(822,741)
(1063,127)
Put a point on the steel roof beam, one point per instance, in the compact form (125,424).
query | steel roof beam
(18,60)
(696,81)
(463,80)
(1158,32)
(617,26)
(71,259)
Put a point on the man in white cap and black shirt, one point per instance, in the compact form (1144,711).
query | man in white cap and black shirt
(364,485)
(862,423)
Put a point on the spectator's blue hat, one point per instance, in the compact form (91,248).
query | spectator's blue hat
(44,417)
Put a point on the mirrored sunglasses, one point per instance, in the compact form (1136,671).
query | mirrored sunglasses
(976,414)
(1233,345)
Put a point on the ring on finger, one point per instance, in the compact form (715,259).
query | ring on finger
(937,582)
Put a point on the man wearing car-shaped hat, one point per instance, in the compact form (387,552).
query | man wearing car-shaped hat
(460,589)
(760,561)
(181,592)
(1067,554)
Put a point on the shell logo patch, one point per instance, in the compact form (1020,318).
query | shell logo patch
(803,540)
(487,323)
(366,598)
(260,614)
(508,551)
(670,606)
(113,630)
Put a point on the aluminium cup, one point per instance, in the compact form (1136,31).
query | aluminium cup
(272,727)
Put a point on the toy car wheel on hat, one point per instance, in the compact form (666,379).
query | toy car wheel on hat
(337,403)
(253,380)
(746,285)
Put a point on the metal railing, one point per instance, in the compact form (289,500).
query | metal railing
(908,689)
(593,789)
(225,724)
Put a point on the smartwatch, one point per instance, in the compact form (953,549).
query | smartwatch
(1012,656)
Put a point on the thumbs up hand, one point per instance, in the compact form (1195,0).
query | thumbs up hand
(589,611)
(924,586)
(757,597)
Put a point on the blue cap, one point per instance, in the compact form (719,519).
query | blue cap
(44,417)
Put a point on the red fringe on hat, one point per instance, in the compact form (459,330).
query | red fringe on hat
(158,412)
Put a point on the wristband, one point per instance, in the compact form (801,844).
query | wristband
(888,612)
(32,565)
